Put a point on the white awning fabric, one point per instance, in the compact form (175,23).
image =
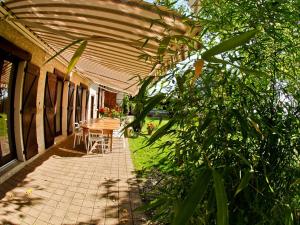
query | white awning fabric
(119,27)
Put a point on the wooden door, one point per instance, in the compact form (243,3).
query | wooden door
(78,109)
(58,107)
(28,110)
(70,108)
(92,107)
(49,109)
(110,99)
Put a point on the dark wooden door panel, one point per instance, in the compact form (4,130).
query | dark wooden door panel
(110,99)
(49,109)
(28,110)
(87,103)
(78,109)
(70,108)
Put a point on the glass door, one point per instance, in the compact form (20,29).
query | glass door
(8,69)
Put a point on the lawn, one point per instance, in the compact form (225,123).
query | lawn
(146,157)
(3,125)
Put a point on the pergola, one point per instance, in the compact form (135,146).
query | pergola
(118,33)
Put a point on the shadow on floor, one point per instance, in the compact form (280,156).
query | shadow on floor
(32,191)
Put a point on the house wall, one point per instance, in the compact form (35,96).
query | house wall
(93,92)
(39,56)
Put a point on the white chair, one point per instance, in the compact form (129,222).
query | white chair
(78,135)
(97,139)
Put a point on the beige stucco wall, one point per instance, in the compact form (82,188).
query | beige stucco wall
(93,92)
(39,56)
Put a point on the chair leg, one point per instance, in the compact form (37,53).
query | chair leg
(74,141)
(87,144)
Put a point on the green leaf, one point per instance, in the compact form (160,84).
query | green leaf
(206,122)
(244,182)
(145,43)
(255,125)
(229,44)
(163,130)
(216,60)
(62,50)
(151,103)
(242,121)
(163,45)
(146,108)
(222,208)
(151,205)
(144,86)
(249,71)
(76,56)
(197,192)
(296,182)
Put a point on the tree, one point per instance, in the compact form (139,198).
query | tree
(235,135)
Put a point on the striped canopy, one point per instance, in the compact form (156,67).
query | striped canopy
(117,31)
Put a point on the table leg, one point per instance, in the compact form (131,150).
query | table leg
(111,139)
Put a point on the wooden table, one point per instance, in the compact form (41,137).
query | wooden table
(108,125)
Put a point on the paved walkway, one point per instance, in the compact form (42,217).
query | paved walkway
(67,187)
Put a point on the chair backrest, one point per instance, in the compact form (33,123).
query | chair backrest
(95,134)
(77,128)
(82,122)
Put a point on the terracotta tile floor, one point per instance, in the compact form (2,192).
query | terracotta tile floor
(65,186)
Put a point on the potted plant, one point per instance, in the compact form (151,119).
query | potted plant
(102,111)
(150,127)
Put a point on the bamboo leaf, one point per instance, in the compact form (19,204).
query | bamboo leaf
(151,205)
(62,50)
(216,60)
(76,56)
(229,44)
(197,192)
(222,208)
(198,69)
(151,103)
(180,83)
(255,125)
(244,182)
(206,122)
(145,43)
(144,86)
(147,107)
(296,182)
(242,121)
(163,45)
(163,130)
(255,72)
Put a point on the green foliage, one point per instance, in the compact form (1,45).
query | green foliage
(188,206)
(76,56)
(239,119)
(222,209)
(63,49)
(3,125)
(229,44)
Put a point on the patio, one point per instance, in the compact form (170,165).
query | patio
(65,186)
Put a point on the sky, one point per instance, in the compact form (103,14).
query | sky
(179,2)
